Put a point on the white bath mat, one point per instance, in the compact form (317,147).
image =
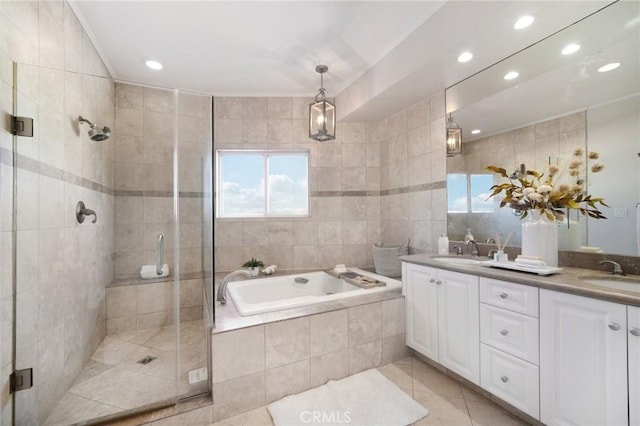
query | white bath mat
(364,399)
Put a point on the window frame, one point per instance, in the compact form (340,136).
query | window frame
(265,153)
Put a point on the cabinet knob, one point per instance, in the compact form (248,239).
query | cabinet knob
(438,282)
(505,379)
(614,326)
(635,331)
(504,295)
(504,332)
(432,280)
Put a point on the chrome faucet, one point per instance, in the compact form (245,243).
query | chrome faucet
(221,296)
(458,250)
(474,248)
(491,253)
(617,268)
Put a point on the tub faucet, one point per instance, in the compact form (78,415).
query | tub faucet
(474,248)
(221,296)
(617,269)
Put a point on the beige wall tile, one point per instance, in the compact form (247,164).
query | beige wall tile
(393,317)
(254,107)
(238,353)
(120,302)
(286,342)
(328,332)
(394,348)
(365,324)
(238,395)
(287,380)
(364,357)
(330,366)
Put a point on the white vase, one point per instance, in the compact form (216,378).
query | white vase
(540,238)
(254,271)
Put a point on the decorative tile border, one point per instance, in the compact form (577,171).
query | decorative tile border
(43,169)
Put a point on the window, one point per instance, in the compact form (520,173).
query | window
(470,193)
(254,183)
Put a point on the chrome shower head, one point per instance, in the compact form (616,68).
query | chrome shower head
(96,133)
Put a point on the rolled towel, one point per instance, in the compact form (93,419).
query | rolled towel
(148,272)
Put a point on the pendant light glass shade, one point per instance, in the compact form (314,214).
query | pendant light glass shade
(454,138)
(322,114)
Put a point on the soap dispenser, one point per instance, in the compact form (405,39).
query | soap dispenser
(443,244)
(469,236)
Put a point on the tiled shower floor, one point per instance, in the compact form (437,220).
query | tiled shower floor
(112,380)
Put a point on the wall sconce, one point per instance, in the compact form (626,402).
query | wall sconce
(454,138)
(322,113)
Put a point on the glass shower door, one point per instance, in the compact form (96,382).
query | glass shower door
(100,340)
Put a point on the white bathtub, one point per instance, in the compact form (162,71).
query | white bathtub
(276,293)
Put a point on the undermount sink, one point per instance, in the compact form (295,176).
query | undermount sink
(614,282)
(458,260)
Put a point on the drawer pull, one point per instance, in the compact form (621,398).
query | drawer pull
(504,295)
(614,326)
(504,332)
(438,282)
(432,280)
(635,331)
(505,379)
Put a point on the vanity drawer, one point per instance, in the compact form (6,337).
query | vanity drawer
(515,297)
(511,379)
(511,332)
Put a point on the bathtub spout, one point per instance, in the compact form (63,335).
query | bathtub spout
(222,288)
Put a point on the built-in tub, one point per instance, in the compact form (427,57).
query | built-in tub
(262,295)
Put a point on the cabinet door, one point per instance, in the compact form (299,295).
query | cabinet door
(422,310)
(634,365)
(583,361)
(459,324)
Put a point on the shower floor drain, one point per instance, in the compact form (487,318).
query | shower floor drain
(146,360)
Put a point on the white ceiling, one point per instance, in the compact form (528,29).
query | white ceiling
(382,55)
(248,48)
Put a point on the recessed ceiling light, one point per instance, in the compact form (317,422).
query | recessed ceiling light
(570,48)
(465,57)
(523,22)
(475,131)
(154,65)
(511,75)
(609,67)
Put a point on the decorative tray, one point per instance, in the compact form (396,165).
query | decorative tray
(547,270)
(356,279)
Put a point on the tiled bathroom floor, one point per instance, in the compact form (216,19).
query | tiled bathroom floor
(448,402)
(112,380)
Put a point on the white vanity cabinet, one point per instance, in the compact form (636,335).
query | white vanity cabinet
(442,309)
(509,350)
(583,361)
(633,319)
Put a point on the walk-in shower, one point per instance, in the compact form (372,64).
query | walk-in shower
(96,133)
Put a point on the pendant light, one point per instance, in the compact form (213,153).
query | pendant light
(454,138)
(322,113)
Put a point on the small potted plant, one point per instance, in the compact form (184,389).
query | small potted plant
(253,265)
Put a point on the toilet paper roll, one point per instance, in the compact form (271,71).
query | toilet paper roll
(148,272)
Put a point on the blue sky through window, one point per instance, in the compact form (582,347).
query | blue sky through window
(243,184)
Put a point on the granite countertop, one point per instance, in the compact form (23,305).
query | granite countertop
(567,281)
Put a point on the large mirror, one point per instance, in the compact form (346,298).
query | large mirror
(563,98)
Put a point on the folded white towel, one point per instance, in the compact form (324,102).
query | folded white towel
(148,272)
(530,262)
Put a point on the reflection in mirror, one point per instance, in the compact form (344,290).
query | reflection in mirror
(559,103)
